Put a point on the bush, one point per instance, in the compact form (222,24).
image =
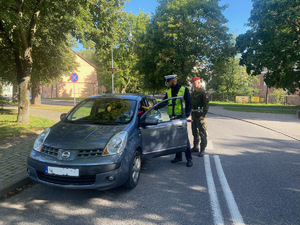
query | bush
(3,101)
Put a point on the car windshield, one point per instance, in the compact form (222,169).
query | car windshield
(103,111)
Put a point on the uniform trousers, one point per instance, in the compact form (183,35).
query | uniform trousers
(188,153)
(199,132)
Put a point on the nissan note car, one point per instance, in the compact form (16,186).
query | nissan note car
(101,142)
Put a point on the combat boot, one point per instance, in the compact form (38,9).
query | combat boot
(201,153)
(195,149)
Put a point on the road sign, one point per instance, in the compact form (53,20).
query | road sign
(112,70)
(74,77)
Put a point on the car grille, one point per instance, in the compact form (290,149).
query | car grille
(86,153)
(89,153)
(63,180)
(49,150)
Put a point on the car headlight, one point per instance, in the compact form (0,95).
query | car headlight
(40,140)
(116,144)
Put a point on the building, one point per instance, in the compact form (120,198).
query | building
(86,85)
(293,99)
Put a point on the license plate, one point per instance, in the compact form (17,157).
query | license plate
(62,171)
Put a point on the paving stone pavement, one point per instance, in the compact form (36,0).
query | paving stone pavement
(14,151)
(13,160)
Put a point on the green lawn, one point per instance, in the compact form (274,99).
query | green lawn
(59,108)
(10,128)
(261,108)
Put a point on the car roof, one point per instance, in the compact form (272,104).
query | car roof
(122,96)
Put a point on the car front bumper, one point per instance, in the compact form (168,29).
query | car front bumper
(102,177)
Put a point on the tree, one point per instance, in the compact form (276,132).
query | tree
(22,21)
(127,78)
(230,80)
(182,34)
(57,59)
(273,42)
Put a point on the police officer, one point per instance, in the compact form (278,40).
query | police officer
(199,110)
(176,89)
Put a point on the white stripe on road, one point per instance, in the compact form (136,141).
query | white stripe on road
(233,208)
(218,218)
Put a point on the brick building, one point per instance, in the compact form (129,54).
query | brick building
(293,99)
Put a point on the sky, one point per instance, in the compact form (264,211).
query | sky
(237,12)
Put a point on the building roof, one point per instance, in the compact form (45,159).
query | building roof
(84,59)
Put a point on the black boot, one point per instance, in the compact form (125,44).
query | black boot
(201,153)
(195,149)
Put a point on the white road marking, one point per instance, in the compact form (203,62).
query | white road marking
(233,208)
(217,214)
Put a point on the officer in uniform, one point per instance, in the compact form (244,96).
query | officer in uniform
(176,89)
(199,110)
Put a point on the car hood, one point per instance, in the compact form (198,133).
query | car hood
(81,136)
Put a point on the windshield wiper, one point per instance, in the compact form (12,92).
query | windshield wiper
(106,123)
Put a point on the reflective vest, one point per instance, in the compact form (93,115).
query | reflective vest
(177,106)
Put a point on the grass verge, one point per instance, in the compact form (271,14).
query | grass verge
(59,108)
(261,108)
(10,128)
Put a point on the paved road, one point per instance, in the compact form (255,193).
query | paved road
(259,185)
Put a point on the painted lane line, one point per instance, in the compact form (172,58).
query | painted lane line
(214,202)
(233,208)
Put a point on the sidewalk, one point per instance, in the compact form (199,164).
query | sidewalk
(14,152)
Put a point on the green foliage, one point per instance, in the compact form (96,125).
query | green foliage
(181,35)
(273,42)
(229,80)
(127,78)
(35,43)
(90,55)
(278,95)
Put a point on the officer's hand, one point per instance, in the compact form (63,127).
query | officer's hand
(188,119)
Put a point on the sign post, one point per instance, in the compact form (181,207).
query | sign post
(74,78)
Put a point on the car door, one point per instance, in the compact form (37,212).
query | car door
(163,134)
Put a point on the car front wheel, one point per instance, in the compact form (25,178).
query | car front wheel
(135,170)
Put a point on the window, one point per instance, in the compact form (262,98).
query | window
(104,111)
(162,113)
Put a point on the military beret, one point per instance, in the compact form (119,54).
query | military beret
(194,79)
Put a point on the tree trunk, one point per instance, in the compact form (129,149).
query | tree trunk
(23,58)
(125,87)
(23,108)
(36,95)
(15,96)
(24,68)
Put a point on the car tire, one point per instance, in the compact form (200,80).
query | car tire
(134,170)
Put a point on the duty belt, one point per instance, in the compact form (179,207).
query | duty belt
(200,110)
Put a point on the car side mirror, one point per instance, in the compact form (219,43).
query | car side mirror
(149,121)
(63,116)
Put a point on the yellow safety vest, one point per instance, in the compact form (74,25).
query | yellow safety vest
(177,107)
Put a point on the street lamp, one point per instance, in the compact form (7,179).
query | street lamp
(112,70)
(130,37)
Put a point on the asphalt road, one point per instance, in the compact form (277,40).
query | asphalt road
(249,175)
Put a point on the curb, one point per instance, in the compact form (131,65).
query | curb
(11,186)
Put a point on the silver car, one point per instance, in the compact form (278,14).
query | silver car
(101,142)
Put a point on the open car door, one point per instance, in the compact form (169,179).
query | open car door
(162,133)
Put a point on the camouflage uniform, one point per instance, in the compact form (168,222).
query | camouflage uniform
(199,108)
